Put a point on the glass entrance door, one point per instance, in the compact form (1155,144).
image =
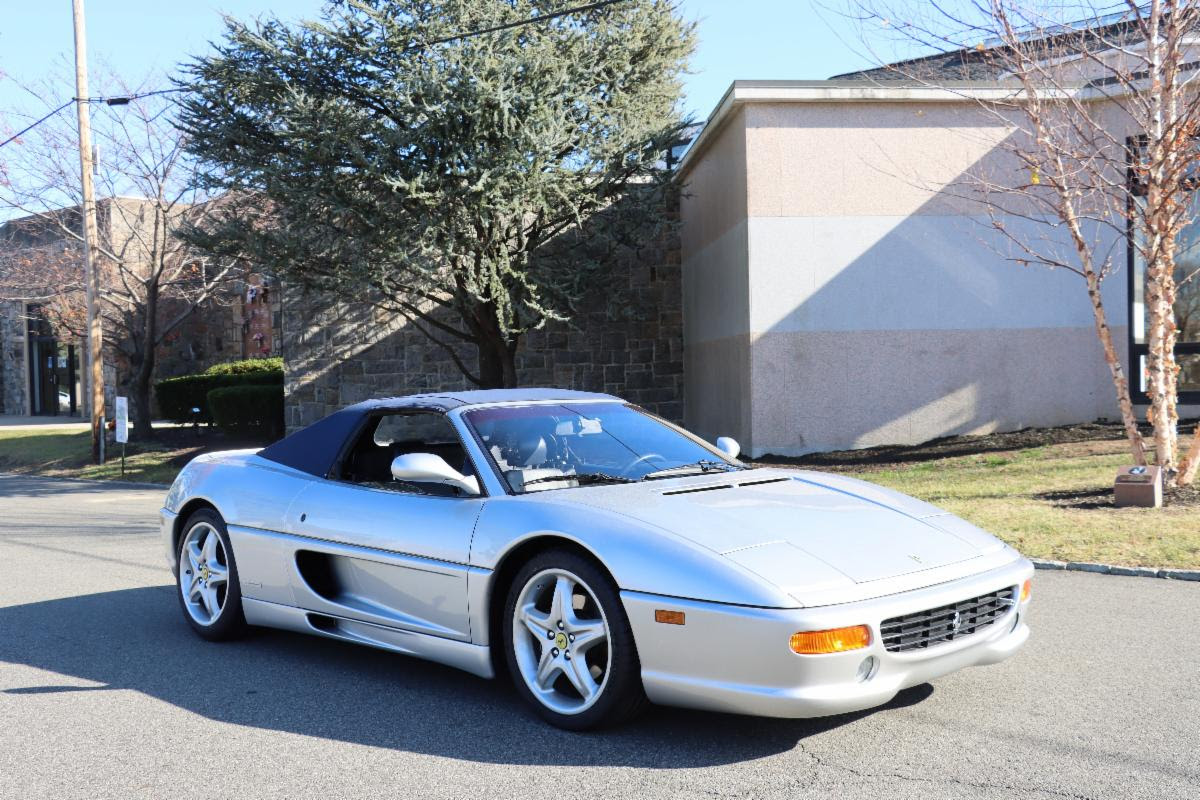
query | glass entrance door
(64,379)
(53,372)
(53,377)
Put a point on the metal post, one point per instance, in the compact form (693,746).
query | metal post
(91,257)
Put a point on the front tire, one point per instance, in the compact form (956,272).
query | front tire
(568,644)
(206,578)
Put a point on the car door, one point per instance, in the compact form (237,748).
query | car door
(380,551)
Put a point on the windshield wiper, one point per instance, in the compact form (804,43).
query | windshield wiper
(582,478)
(704,465)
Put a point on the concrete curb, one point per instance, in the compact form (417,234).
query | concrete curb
(1109,569)
(98,482)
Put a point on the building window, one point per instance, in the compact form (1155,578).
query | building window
(1186,308)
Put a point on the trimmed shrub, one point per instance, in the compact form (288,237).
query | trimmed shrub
(251,411)
(247,367)
(178,396)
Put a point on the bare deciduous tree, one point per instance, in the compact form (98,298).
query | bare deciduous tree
(151,280)
(1104,119)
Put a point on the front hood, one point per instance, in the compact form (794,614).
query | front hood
(803,531)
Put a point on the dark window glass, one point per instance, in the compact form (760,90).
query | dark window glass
(369,461)
(1187,279)
(538,443)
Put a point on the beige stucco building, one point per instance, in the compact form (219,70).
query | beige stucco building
(838,292)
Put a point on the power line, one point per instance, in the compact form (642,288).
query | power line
(24,131)
(124,100)
(521,22)
(120,100)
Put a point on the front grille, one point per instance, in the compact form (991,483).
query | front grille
(923,629)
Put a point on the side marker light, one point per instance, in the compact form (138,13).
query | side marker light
(835,640)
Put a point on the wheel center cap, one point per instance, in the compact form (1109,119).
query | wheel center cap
(560,641)
(204,573)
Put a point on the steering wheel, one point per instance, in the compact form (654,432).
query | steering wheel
(629,467)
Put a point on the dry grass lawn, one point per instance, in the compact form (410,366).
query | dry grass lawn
(67,454)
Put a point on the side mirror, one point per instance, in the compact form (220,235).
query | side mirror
(729,446)
(428,468)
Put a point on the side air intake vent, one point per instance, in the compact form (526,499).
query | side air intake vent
(695,489)
(764,481)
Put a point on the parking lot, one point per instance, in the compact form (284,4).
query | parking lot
(105,692)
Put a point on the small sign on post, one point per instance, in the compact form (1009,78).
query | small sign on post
(122,427)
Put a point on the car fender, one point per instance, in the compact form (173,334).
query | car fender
(246,490)
(639,556)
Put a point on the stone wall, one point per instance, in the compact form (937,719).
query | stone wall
(12,358)
(221,330)
(337,353)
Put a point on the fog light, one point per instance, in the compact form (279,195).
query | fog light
(1026,589)
(834,640)
(866,670)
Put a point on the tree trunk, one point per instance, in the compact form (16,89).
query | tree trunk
(497,351)
(1124,402)
(143,430)
(1160,362)
(497,362)
(140,401)
(1161,230)
(1190,463)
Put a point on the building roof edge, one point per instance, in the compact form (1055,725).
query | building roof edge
(742,92)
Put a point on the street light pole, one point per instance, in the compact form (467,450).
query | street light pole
(91,256)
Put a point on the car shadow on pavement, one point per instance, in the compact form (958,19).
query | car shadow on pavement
(135,639)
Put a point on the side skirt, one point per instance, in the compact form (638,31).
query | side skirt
(472,658)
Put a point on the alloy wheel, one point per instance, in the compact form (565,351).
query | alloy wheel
(561,641)
(203,573)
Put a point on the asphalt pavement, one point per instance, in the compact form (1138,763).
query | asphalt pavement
(105,692)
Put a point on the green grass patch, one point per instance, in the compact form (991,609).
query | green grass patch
(59,453)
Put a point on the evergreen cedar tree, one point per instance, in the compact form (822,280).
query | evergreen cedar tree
(478,187)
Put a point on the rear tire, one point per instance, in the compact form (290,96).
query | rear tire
(568,644)
(206,578)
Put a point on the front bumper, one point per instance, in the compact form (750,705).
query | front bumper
(737,659)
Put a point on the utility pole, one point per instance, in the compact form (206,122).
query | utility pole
(91,256)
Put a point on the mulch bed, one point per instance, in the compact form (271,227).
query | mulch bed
(1187,496)
(193,442)
(950,446)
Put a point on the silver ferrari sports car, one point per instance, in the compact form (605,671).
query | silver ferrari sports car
(602,556)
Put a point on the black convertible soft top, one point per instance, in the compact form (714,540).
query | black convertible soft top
(315,449)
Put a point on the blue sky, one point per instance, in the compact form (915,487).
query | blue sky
(745,39)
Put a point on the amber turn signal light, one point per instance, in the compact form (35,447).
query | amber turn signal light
(668,617)
(1026,589)
(835,640)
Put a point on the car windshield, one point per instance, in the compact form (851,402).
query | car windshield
(559,446)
